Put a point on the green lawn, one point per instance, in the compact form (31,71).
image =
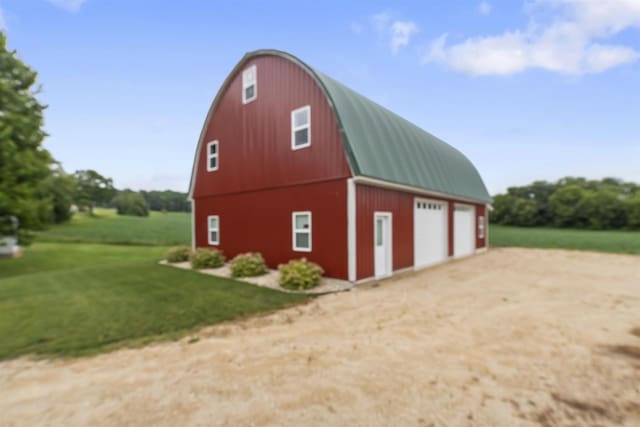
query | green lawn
(74,299)
(169,228)
(588,240)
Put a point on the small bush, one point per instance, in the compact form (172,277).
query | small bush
(178,254)
(300,274)
(206,258)
(248,265)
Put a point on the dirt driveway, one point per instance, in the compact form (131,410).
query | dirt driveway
(513,337)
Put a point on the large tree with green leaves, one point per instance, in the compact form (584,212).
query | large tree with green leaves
(24,163)
(93,188)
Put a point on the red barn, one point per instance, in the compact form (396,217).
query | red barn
(291,163)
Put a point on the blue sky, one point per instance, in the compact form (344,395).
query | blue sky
(535,89)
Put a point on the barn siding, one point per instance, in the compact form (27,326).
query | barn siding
(255,138)
(370,199)
(260,221)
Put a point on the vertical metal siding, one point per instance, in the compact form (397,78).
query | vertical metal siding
(260,221)
(373,199)
(255,138)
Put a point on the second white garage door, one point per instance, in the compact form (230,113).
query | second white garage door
(430,232)
(464,235)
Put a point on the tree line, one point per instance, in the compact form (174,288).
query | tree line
(35,191)
(570,202)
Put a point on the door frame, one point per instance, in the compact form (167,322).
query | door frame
(446,226)
(389,251)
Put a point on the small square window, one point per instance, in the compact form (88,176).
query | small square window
(481,227)
(301,128)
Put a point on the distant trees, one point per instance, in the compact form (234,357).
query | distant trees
(61,188)
(24,163)
(571,202)
(93,188)
(171,201)
(129,202)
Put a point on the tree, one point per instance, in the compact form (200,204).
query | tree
(24,163)
(128,202)
(632,207)
(61,187)
(93,188)
(603,209)
(564,206)
(525,212)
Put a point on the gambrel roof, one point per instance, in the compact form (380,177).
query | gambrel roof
(384,146)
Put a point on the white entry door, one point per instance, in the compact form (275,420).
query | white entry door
(464,236)
(430,232)
(382,244)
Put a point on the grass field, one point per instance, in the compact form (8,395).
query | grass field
(587,240)
(169,228)
(73,299)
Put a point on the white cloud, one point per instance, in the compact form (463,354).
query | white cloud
(484,8)
(401,32)
(567,44)
(68,5)
(395,33)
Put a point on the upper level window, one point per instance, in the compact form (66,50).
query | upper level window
(212,156)
(301,128)
(302,231)
(480,227)
(249,84)
(214,229)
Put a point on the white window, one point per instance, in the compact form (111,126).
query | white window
(214,229)
(249,84)
(480,227)
(302,231)
(301,128)
(212,156)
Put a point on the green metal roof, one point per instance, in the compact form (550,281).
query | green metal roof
(382,145)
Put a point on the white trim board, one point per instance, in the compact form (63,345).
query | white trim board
(410,189)
(352,248)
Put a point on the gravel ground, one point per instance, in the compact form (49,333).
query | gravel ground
(513,337)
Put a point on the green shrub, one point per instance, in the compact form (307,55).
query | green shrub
(300,274)
(131,203)
(206,258)
(248,265)
(178,254)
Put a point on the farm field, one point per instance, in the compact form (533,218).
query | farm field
(75,299)
(586,240)
(512,337)
(159,228)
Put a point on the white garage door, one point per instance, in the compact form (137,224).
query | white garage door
(430,232)
(464,235)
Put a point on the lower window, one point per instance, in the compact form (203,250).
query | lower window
(214,229)
(301,222)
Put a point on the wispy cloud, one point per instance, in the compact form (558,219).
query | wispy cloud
(571,43)
(395,33)
(484,8)
(68,5)
(3,25)
(401,32)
